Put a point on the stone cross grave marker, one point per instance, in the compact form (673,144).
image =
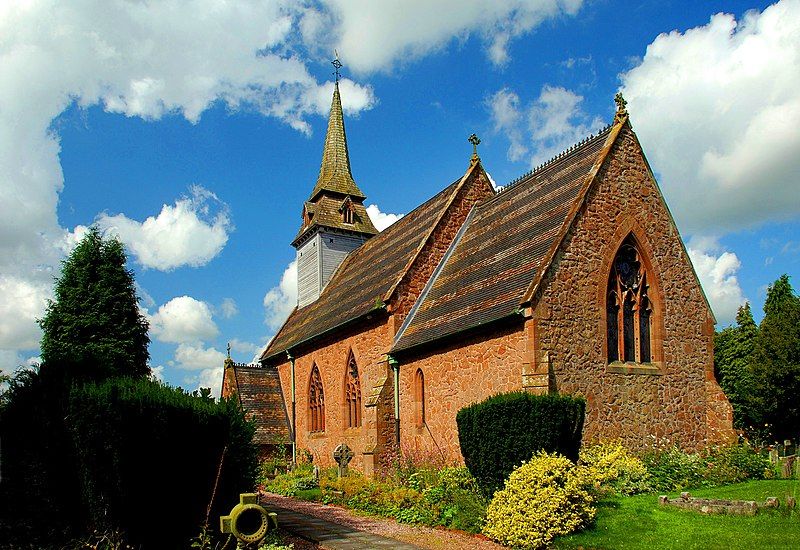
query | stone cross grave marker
(342,455)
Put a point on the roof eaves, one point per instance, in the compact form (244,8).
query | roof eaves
(573,212)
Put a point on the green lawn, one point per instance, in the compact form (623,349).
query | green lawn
(639,522)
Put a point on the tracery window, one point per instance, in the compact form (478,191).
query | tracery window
(316,401)
(629,311)
(419,398)
(352,394)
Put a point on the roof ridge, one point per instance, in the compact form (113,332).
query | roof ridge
(558,157)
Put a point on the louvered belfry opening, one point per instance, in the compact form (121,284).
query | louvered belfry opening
(352,398)
(316,401)
(629,310)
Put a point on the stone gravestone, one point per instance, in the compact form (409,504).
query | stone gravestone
(342,455)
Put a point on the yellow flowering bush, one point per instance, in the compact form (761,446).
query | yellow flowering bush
(543,498)
(611,468)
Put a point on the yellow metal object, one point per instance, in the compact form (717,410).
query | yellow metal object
(248,521)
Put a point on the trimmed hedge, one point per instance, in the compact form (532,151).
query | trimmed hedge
(147,457)
(498,434)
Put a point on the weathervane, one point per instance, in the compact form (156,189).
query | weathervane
(336,65)
(475,141)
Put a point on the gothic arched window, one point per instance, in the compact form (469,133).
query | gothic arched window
(629,311)
(352,394)
(419,398)
(316,402)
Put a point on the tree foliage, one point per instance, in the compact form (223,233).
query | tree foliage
(776,361)
(94,325)
(733,355)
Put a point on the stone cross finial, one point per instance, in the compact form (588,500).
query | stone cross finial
(229,350)
(475,141)
(621,105)
(342,454)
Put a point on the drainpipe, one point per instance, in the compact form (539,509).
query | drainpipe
(294,411)
(396,368)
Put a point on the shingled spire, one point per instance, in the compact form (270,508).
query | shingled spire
(335,221)
(334,173)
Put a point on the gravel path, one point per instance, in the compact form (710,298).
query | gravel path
(420,535)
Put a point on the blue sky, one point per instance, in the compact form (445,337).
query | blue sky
(193,130)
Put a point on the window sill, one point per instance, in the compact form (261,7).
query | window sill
(316,435)
(618,367)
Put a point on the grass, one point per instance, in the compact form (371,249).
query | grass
(639,522)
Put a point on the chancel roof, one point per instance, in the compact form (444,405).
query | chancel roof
(504,248)
(259,392)
(361,283)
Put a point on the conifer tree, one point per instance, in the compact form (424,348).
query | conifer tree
(94,327)
(733,355)
(776,361)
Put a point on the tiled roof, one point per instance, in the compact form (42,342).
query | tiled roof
(326,212)
(259,391)
(504,247)
(334,173)
(365,276)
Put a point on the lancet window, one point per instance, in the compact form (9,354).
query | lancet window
(629,311)
(316,401)
(352,394)
(419,398)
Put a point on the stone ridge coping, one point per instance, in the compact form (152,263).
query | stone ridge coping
(618,367)
(723,506)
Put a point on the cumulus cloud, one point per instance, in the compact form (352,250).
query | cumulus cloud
(717,108)
(228,308)
(241,346)
(197,357)
(11,361)
(381,220)
(279,301)
(210,378)
(192,232)
(545,126)
(377,35)
(21,303)
(717,271)
(183,320)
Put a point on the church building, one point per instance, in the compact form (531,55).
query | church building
(571,279)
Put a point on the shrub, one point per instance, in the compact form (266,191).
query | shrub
(455,500)
(613,469)
(542,499)
(301,478)
(142,447)
(501,432)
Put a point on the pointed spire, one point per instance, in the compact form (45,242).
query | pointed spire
(334,173)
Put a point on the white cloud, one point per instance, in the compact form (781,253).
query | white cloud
(211,378)
(190,233)
(241,346)
(11,360)
(228,308)
(717,272)
(157,373)
(21,303)
(378,35)
(279,301)
(183,320)
(197,357)
(545,127)
(381,220)
(717,109)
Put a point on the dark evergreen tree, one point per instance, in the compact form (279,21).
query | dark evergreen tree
(776,361)
(94,327)
(733,355)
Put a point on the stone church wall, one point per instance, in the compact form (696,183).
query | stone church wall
(368,343)
(677,400)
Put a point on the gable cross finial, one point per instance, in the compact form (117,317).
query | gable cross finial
(475,141)
(229,350)
(621,105)
(336,65)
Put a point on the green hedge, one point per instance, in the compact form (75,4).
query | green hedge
(503,431)
(147,456)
